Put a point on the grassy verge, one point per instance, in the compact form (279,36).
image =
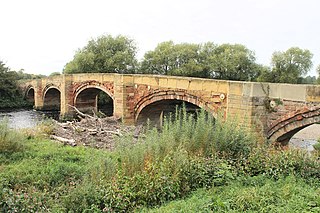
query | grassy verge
(219,159)
(257,194)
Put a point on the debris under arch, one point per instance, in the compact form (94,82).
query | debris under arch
(92,131)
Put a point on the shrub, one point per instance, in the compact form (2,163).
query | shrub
(31,200)
(317,148)
(232,138)
(10,141)
(280,163)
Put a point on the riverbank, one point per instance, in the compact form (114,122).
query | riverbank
(15,103)
(185,158)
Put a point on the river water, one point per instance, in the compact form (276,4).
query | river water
(304,139)
(24,118)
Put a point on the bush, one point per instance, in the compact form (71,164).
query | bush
(10,141)
(280,163)
(201,135)
(317,148)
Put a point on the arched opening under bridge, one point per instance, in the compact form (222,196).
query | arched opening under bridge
(306,137)
(52,99)
(155,112)
(287,126)
(94,100)
(29,96)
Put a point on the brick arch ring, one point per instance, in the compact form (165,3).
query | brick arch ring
(27,90)
(48,87)
(89,86)
(284,128)
(172,95)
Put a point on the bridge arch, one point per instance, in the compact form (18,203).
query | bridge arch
(51,97)
(90,97)
(285,127)
(171,97)
(29,94)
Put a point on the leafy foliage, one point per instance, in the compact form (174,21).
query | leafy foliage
(288,66)
(10,95)
(226,61)
(10,141)
(104,54)
(189,152)
(8,87)
(234,62)
(254,194)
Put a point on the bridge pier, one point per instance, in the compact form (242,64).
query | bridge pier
(38,97)
(123,91)
(66,97)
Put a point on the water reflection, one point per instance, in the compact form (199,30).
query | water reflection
(25,118)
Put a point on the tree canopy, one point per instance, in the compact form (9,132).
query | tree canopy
(174,59)
(289,66)
(226,61)
(8,87)
(234,62)
(104,54)
(10,95)
(108,54)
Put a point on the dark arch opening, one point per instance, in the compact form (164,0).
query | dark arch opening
(30,96)
(51,101)
(94,99)
(156,111)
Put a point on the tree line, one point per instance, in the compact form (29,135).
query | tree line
(108,54)
(117,54)
(10,95)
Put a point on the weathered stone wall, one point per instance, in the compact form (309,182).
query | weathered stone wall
(263,105)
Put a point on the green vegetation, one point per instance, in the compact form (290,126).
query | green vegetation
(226,61)
(289,66)
(10,96)
(10,140)
(202,163)
(253,194)
(103,55)
(317,148)
(107,54)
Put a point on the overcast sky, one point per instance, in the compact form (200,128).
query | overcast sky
(41,36)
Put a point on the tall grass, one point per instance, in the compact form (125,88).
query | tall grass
(10,141)
(258,194)
(189,152)
(201,135)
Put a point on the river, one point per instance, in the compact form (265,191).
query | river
(304,139)
(25,118)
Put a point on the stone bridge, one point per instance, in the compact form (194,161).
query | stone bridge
(279,110)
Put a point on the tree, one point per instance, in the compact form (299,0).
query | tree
(231,62)
(308,80)
(174,59)
(8,87)
(288,66)
(104,54)
(159,61)
(54,74)
(234,62)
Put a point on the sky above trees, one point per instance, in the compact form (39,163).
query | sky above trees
(42,36)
